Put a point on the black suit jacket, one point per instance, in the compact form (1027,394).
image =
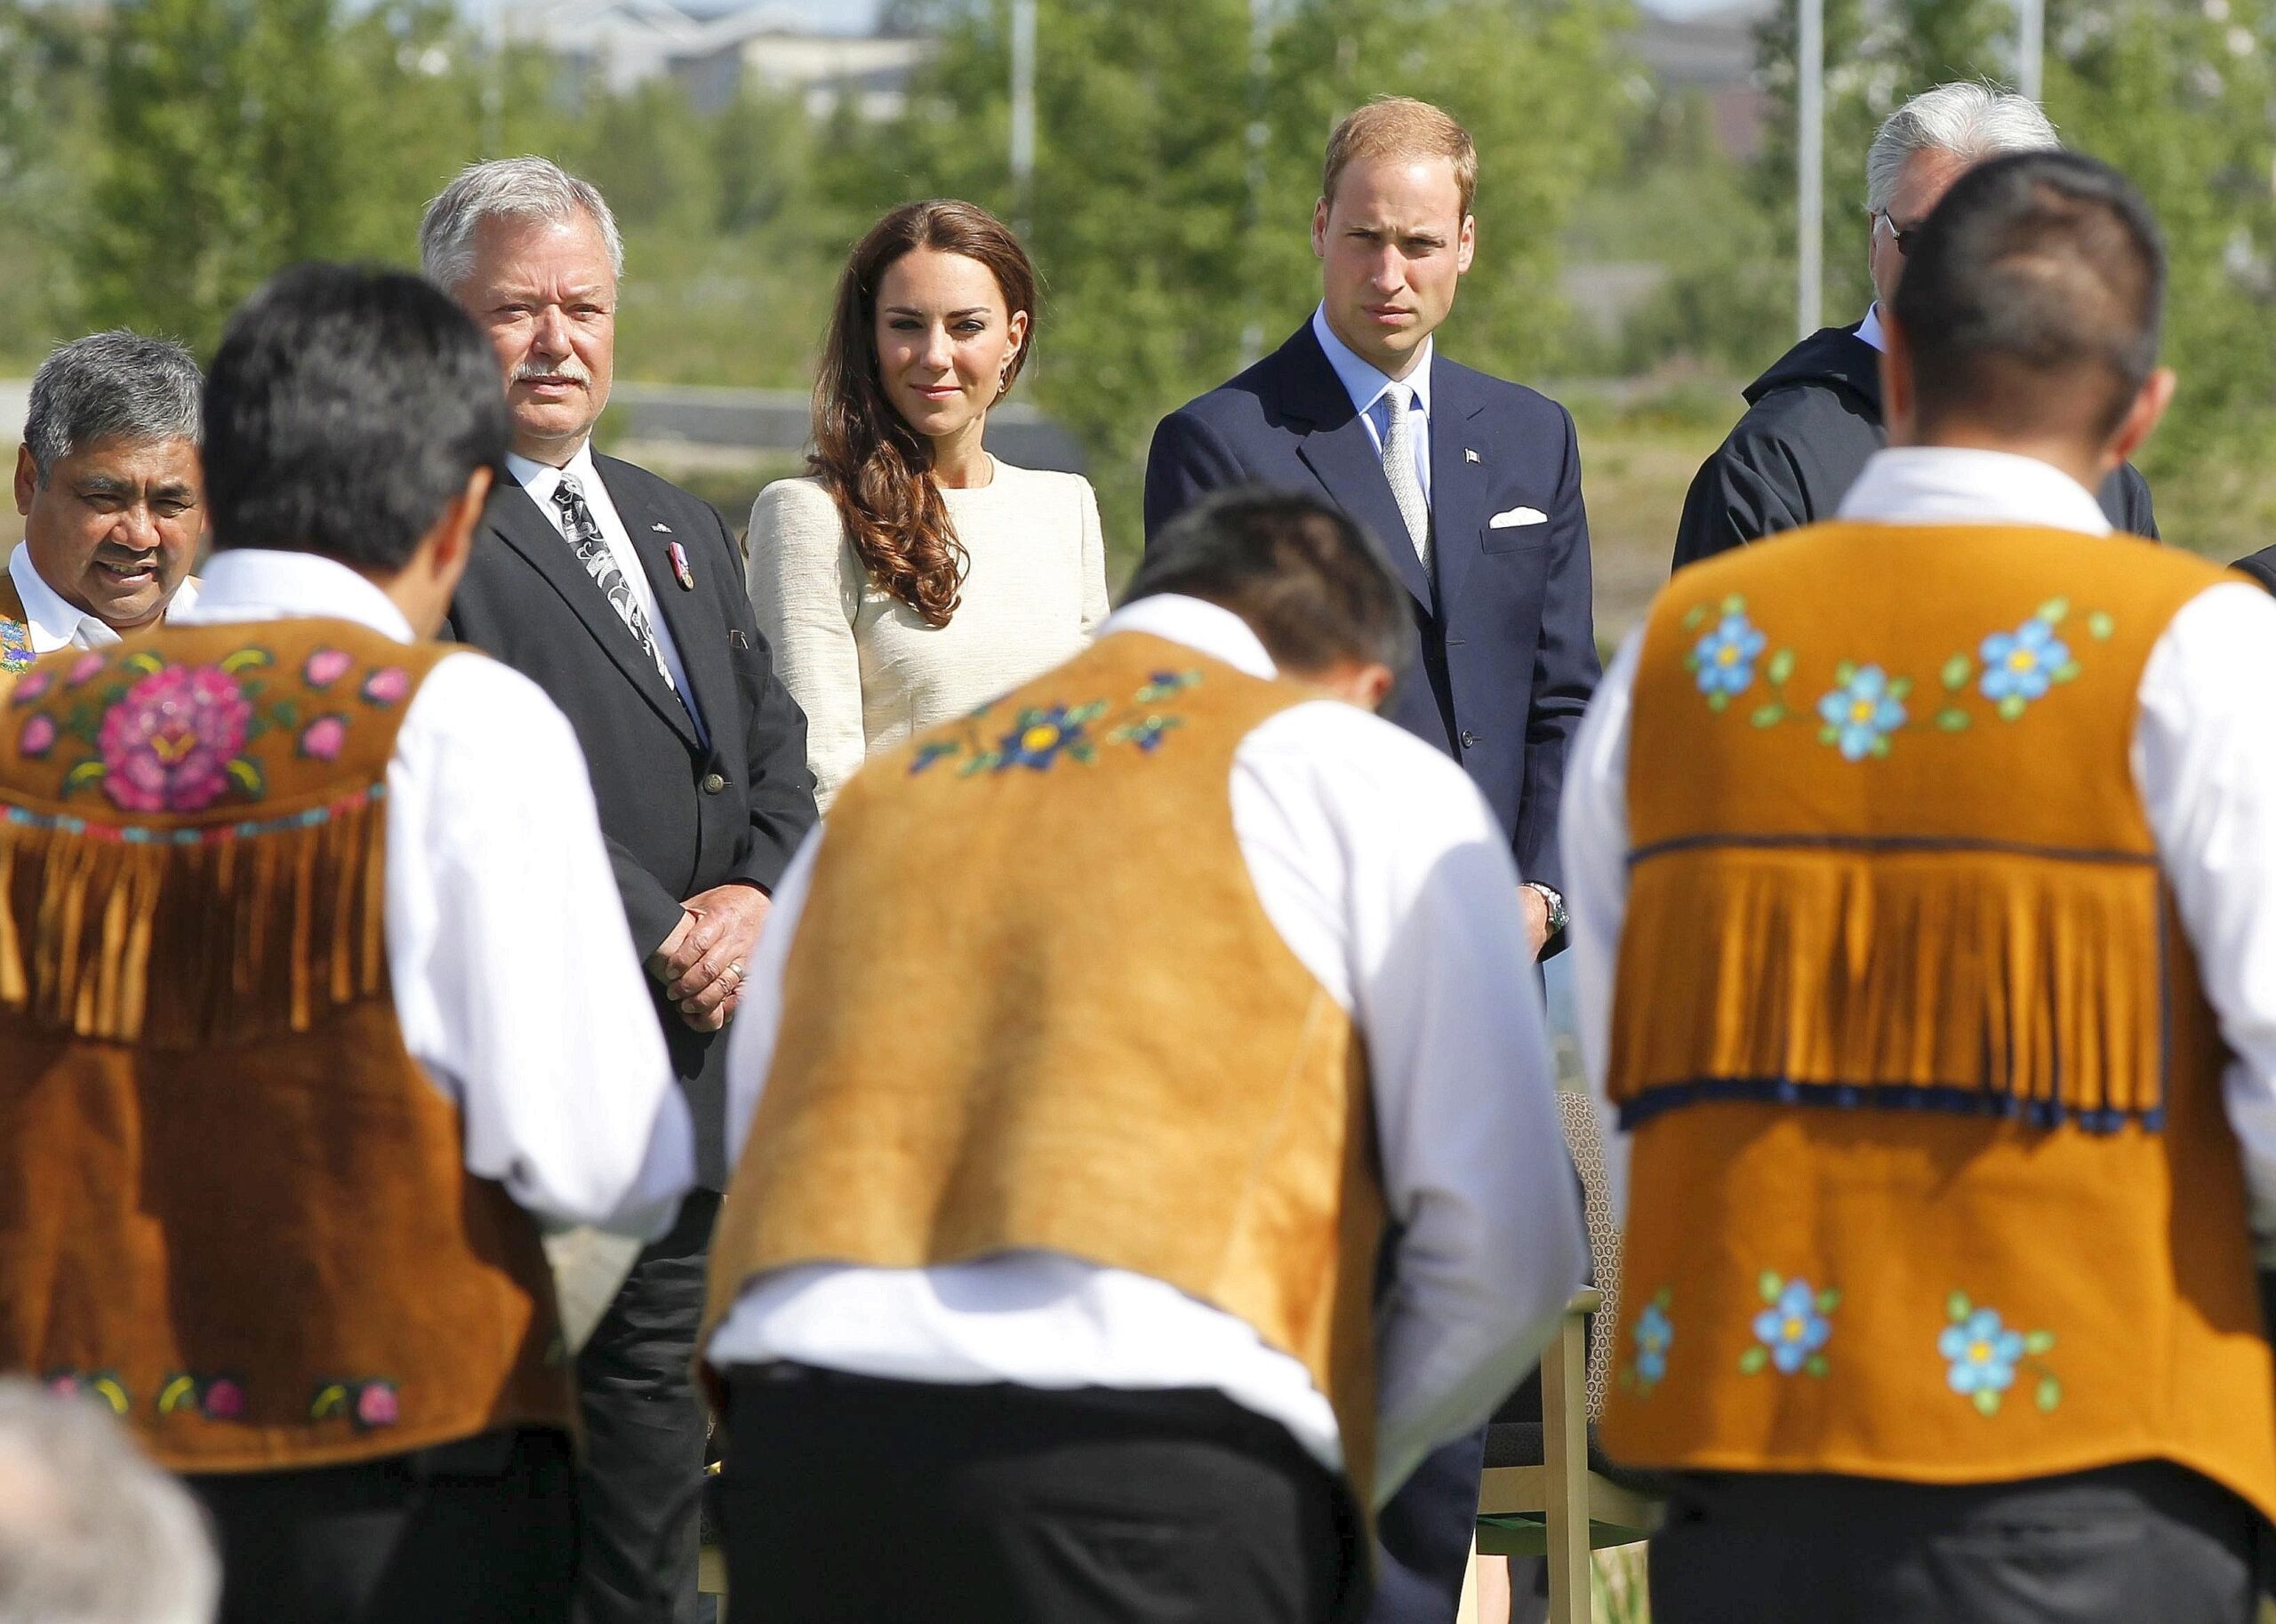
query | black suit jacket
(1811,422)
(1508,638)
(681,814)
(2261,566)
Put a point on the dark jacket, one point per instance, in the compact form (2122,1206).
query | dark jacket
(1508,644)
(2261,566)
(1811,422)
(681,816)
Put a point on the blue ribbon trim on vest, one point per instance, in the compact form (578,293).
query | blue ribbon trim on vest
(1948,1098)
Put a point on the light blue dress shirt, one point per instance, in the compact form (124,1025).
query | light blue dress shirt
(1366,383)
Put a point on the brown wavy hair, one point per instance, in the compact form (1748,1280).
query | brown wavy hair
(877,467)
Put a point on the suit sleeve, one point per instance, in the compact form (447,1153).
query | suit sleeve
(2261,566)
(1745,491)
(2135,515)
(1565,673)
(1188,461)
(782,790)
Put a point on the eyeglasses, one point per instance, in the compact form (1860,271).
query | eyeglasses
(1901,235)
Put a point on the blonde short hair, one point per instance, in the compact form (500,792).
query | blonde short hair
(1400,127)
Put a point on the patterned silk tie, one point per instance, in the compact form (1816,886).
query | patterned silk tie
(1398,468)
(584,533)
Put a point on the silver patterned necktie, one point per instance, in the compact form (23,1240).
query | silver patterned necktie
(583,531)
(1398,468)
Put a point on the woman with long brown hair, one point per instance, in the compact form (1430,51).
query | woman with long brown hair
(910,575)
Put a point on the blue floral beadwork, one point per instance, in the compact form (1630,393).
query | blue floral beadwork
(2020,666)
(1724,659)
(1038,738)
(1790,1332)
(1653,1334)
(1042,736)
(1981,1353)
(1862,711)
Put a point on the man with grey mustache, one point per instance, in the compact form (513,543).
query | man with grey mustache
(622,596)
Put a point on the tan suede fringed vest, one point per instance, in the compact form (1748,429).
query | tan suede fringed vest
(232,1207)
(1931,1177)
(1034,1003)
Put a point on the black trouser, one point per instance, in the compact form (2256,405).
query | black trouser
(479,1532)
(2142,1544)
(644,1430)
(847,1500)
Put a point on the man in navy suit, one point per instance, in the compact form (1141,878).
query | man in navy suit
(1474,486)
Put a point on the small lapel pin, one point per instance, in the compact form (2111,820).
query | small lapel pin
(735,638)
(1469,455)
(665,528)
(680,572)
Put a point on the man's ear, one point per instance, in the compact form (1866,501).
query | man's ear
(1320,229)
(1899,404)
(453,538)
(27,479)
(2150,403)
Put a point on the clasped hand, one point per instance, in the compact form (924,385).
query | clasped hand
(703,962)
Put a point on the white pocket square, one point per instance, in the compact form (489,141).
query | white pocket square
(1516,516)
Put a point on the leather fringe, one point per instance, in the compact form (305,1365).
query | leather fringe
(177,946)
(1986,985)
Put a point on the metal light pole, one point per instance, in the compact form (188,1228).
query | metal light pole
(1809,177)
(1022,110)
(2031,47)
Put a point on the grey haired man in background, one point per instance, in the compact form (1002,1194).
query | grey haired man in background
(1815,416)
(108,483)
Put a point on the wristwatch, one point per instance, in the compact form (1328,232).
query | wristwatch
(1559,915)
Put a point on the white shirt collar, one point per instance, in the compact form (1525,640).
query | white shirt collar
(1363,380)
(254,584)
(1951,484)
(1208,628)
(538,478)
(54,619)
(1869,331)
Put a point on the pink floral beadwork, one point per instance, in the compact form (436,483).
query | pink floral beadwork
(321,737)
(326,666)
(167,744)
(38,737)
(86,670)
(376,1404)
(388,684)
(37,683)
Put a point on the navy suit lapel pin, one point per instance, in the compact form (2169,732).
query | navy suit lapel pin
(680,572)
(1469,455)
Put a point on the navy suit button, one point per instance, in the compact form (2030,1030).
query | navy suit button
(1469,740)
(713,783)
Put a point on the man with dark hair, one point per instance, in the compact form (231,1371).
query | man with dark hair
(107,480)
(1814,417)
(1925,890)
(1104,1045)
(279,1135)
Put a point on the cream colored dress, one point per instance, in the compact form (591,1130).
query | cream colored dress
(865,667)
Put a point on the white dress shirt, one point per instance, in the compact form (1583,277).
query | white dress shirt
(54,623)
(1869,331)
(2203,759)
(1366,384)
(514,981)
(1381,867)
(540,481)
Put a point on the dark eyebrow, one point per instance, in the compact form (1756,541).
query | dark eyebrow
(104,484)
(173,490)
